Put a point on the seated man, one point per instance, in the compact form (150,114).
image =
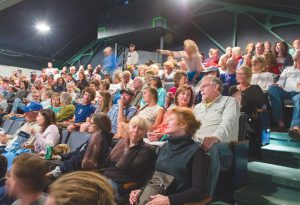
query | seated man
(34,105)
(123,111)
(26,179)
(287,87)
(19,105)
(21,137)
(83,110)
(219,116)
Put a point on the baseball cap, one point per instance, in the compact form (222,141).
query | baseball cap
(127,90)
(211,69)
(32,106)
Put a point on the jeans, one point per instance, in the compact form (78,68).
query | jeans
(18,104)
(276,96)
(118,188)
(221,157)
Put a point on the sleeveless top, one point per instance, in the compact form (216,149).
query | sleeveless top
(149,113)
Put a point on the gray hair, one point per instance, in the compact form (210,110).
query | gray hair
(215,81)
(65,98)
(141,80)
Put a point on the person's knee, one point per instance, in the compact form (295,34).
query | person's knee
(273,90)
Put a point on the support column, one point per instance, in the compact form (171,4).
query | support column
(161,46)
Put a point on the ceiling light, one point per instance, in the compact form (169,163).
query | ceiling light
(42,27)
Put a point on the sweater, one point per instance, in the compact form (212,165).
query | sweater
(182,158)
(130,164)
(66,112)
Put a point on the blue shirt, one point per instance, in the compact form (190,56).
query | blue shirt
(129,112)
(109,64)
(83,111)
(227,80)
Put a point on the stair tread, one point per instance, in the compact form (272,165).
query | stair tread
(281,175)
(280,135)
(258,196)
(281,148)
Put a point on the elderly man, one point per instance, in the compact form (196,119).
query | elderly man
(259,49)
(137,86)
(287,87)
(219,116)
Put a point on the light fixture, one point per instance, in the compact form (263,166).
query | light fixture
(42,27)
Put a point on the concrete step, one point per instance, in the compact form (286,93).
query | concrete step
(282,138)
(269,174)
(253,195)
(281,155)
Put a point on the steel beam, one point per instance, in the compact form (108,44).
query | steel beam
(208,35)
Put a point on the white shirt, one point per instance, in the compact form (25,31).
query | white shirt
(219,119)
(264,80)
(132,58)
(289,79)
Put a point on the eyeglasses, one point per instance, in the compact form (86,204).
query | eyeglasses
(205,86)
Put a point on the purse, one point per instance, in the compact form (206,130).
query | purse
(158,184)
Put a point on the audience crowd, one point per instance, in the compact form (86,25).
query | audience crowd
(149,124)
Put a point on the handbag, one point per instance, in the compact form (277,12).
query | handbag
(158,184)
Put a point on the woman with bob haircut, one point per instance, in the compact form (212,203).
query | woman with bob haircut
(183,159)
(131,160)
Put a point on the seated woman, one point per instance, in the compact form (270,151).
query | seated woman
(250,97)
(67,108)
(260,76)
(104,105)
(131,160)
(184,98)
(55,103)
(78,188)
(49,135)
(60,85)
(151,111)
(180,79)
(92,154)
(181,158)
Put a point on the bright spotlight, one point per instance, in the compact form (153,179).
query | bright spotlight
(42,27)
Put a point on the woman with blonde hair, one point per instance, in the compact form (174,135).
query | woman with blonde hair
(260,76)
(250,97)
(131,160)
(78,188)
(191,56)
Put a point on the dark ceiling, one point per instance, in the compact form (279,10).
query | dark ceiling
(74,24)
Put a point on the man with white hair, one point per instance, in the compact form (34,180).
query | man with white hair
(219,116)
(287,87)
(109,62)
(137,86)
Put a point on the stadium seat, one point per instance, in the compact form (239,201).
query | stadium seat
(76,139)
(168,85)
(64,135)
(7,125)
(15,126)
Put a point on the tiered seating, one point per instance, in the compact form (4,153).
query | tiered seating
(275,180)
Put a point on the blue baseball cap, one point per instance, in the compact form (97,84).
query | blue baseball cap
(33,106)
